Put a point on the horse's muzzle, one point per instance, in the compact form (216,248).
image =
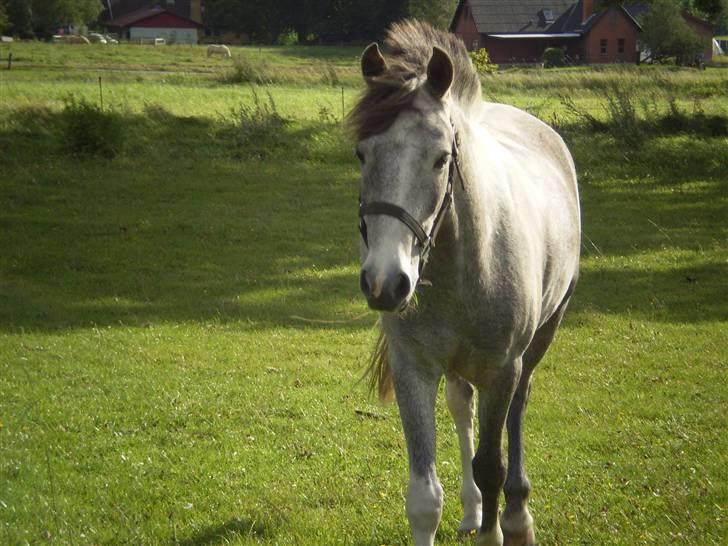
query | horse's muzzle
(385,292)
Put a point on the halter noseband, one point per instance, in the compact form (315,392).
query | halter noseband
(425,241)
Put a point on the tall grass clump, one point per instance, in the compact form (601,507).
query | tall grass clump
(631,118)
(624,122)
(329,76)
(245,70)
(89,130)
(258,127)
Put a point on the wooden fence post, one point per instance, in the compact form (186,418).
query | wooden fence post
(10,60)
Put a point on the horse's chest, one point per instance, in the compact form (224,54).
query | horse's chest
(458,346)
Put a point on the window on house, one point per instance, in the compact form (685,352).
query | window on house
(476,44)
(620,46)
(603,46)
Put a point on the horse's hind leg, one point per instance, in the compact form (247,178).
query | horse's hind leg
(488,468)
(516,521)
(459,395)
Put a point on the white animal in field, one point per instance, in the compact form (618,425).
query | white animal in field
(218,49)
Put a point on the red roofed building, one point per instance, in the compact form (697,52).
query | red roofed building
(149,24)
(518,31)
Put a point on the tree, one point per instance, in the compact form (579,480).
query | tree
(439,13)
(4,23)
(19,17)
(667,35)
(48,15)
(29,17)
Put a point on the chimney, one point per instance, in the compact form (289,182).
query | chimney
(587,8)
(196,10)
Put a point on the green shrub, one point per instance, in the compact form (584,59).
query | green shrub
(481,61)
(288,38)
(89,130)
(554,57)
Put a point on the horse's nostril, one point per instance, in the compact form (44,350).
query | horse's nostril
(364,283)
(403,287)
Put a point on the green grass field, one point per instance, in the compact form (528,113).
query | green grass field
(181,332)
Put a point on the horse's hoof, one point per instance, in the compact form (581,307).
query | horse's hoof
(465,531)
(526,538)
(469,526)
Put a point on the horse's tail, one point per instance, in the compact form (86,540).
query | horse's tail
(378,373)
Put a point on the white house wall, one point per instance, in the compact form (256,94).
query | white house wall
(171,35)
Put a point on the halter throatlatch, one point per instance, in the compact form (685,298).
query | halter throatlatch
(425,241)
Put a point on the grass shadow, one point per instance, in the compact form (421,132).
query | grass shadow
(228,531)
(182,227)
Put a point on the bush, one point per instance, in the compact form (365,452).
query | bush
(288,38)
(554,57)
(481,61)
(89,130)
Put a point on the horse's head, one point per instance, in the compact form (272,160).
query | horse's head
(405,148)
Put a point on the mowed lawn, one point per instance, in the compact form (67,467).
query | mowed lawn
(181,333)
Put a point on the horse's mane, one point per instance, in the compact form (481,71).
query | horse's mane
(409,46)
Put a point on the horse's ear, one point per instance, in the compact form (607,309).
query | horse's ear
(372,62)
(440,73)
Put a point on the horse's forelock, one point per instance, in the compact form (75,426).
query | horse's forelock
(410,44)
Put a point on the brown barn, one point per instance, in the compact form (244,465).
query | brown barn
(518,31)
(189,9)
(147,25)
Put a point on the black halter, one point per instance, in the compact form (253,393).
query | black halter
(425,241)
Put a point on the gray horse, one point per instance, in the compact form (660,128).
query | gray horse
(498,189)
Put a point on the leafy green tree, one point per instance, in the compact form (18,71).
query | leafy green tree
(20,17)
(437,12)
(4,22)
(667,35)
(47,15)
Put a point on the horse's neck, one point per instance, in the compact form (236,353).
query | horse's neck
(478,205)
(466,239)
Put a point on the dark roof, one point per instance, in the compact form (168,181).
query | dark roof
(526,16)
(140,15)
(570,20)
(504,16)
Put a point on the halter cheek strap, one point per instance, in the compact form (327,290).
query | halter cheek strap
(425,241)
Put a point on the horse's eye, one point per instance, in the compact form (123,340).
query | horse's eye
(360,157)
(440,163)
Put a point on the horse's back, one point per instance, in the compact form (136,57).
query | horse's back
(525,134)
(542,187)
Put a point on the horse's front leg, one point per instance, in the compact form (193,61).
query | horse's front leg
(416,389)
(459,394)
(494,398)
